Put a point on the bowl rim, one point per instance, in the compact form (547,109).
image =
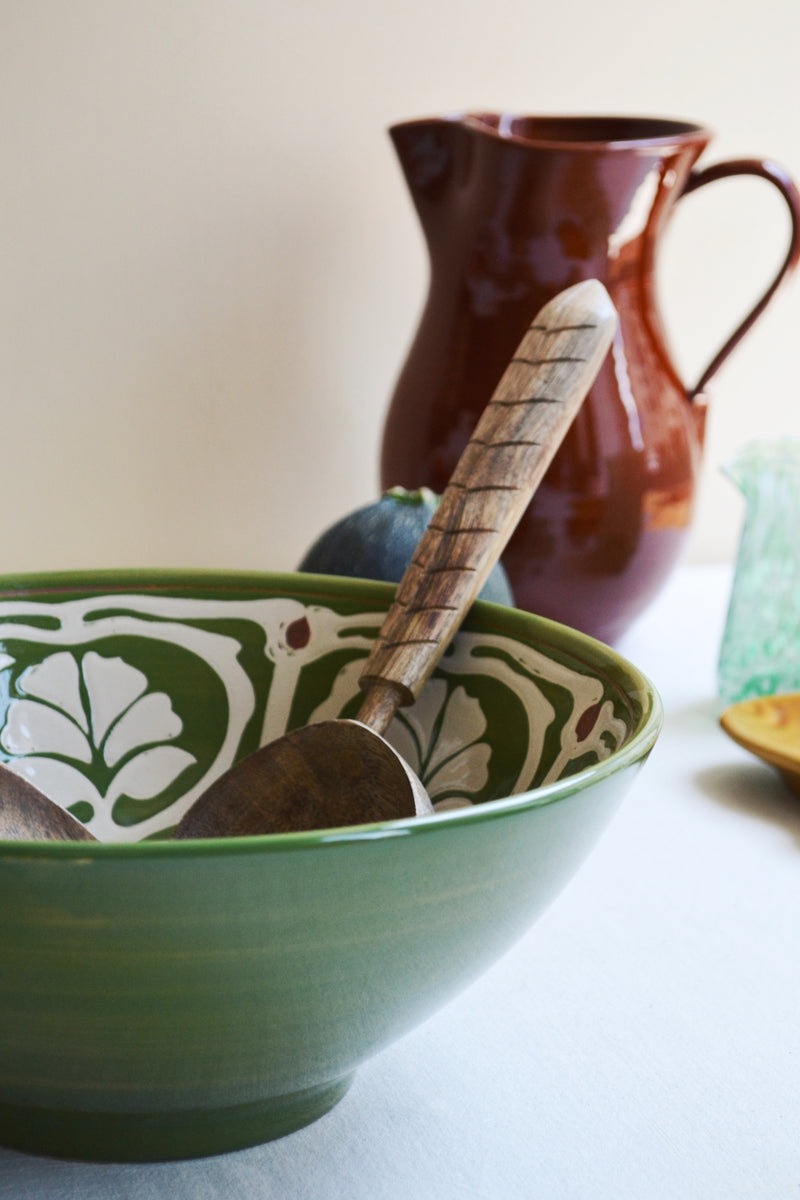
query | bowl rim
(484,616)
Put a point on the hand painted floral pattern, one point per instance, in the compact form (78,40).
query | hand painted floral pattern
(441,739)
(124,707)
(92,717)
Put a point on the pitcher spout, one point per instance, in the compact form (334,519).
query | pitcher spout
(434,154)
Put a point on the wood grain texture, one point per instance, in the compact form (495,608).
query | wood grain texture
(332,774)
(26,814)
(512,446)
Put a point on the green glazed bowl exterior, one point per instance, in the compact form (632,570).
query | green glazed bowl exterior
(167,999)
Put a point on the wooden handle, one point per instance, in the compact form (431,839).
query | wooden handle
(513,444)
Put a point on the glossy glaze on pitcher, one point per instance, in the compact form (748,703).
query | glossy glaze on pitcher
(514,209)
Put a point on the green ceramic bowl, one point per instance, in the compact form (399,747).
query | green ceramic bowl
(167,999)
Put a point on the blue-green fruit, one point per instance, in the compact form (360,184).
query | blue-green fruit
(378,542)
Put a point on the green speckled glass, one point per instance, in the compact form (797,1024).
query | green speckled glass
(760,653)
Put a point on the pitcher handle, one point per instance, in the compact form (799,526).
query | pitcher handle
(775,175)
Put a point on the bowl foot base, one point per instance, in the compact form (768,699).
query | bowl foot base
(163,1136)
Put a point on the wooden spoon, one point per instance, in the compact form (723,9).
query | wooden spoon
(27,815)
(342,772)
(338,773)
(769,727)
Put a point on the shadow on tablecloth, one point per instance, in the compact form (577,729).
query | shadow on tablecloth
(754,789)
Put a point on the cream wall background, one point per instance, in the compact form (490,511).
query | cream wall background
(211,271)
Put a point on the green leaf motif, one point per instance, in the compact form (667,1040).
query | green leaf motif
(124,708)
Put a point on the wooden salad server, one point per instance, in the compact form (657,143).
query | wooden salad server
(27,815)
(342,772)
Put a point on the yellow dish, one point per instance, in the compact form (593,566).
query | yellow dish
(769,727)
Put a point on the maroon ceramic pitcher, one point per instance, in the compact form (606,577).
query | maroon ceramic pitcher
(514,209)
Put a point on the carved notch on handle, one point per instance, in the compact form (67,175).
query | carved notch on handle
(513,444)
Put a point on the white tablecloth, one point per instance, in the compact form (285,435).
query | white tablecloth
(642,1042)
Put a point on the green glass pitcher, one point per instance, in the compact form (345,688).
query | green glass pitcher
(760,652)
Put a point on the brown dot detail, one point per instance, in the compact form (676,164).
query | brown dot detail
(586,721)
(298,634)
